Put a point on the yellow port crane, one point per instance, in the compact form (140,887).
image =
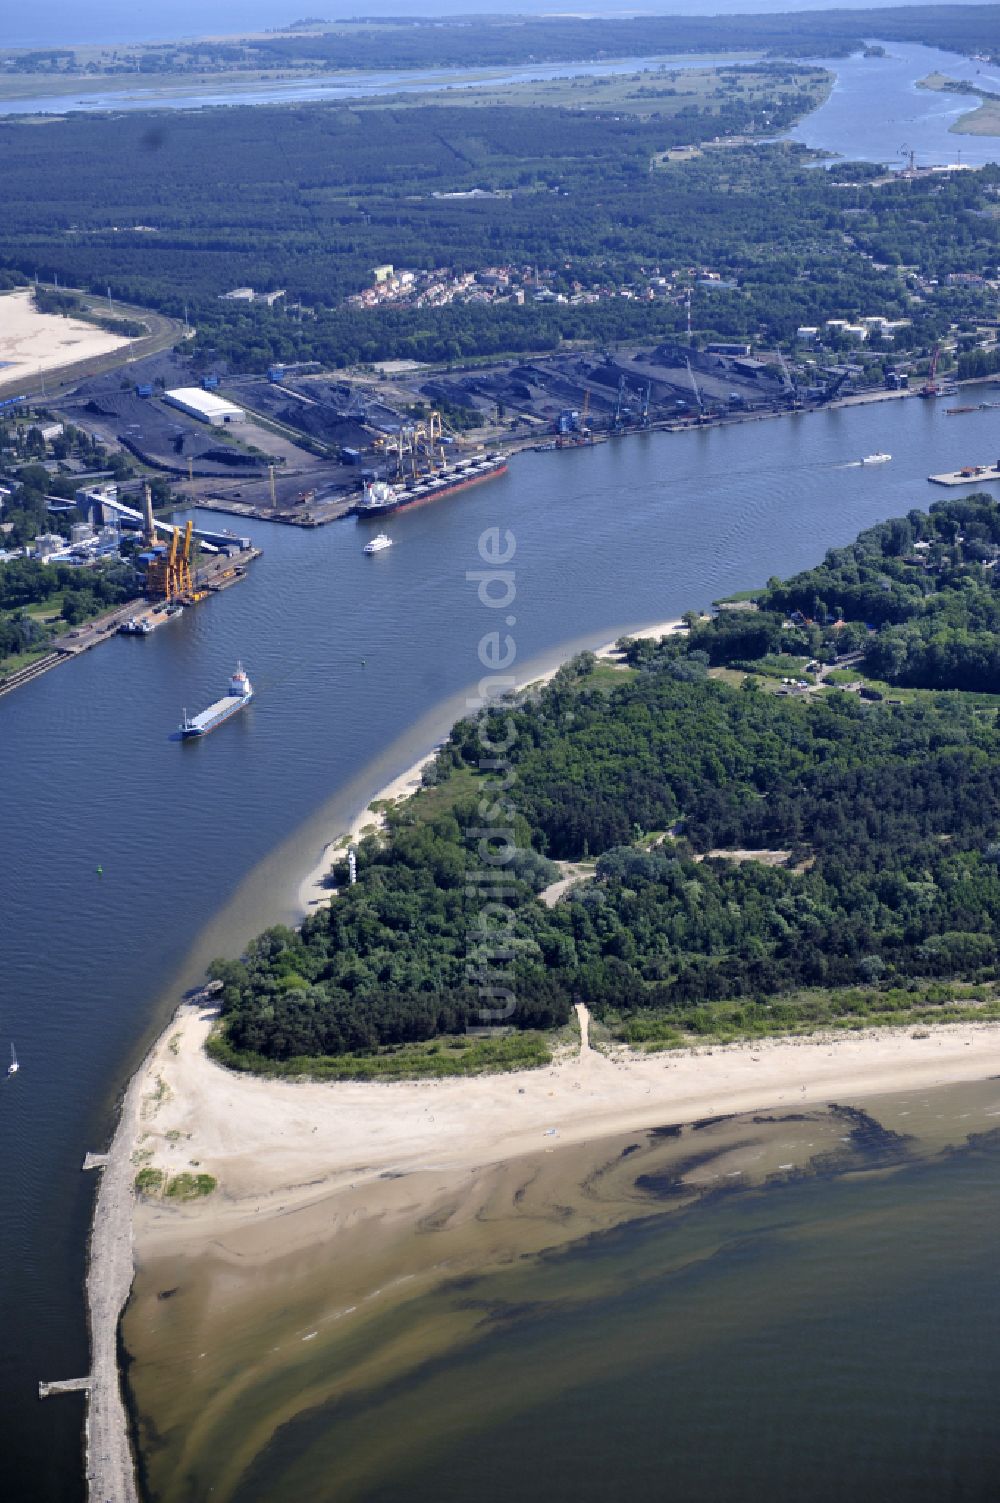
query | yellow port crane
(168,575)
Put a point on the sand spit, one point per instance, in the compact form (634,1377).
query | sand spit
(157,1086)
(277,1145)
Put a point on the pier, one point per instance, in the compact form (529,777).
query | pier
(315,514)
(211,579)
(970,474)
(65,1385)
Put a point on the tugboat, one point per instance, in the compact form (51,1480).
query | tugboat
(240,694)
(378,544)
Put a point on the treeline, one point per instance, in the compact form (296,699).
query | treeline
(975,363)
(70,305)
(917,597)
(884,822)
(326,193)
(500,40)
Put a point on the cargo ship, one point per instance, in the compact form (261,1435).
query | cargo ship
(379,497)
(240,694)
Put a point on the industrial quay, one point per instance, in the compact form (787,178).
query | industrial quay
(303,446)
(176,568)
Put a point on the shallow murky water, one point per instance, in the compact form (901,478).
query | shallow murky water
(768,1306)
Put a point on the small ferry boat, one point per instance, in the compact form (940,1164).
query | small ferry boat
(378,544)
(876,458)
(240,694)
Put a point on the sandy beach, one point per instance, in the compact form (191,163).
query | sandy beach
(32,342)
(296,1142)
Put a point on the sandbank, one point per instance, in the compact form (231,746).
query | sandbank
(32,342)
(275,1145)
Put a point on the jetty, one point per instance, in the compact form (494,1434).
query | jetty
(969,474)
(218,574)
(65,1385)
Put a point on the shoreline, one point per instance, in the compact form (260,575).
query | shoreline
(313,891)
(277,1146)
(109,1462)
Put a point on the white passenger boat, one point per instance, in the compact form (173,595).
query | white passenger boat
(378,544)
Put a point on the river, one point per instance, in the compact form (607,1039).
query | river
(318,87)
(874,111)
(360,664)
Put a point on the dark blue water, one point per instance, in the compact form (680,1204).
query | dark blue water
(198,841)
(876,112)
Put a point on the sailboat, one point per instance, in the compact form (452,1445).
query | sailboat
(13,1067)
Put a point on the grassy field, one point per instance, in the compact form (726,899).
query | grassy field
(982,121)
(655,93)
(806,1012)
(451,1054)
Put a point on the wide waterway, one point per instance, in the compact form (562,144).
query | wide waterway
(874,111)
(359,663)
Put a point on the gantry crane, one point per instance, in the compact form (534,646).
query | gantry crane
(168,572)
(418,449)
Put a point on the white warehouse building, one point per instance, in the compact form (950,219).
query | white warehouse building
(205,406)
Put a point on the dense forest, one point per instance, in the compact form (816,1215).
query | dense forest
(152,206)
(498,40)
(881,822)
(916,598)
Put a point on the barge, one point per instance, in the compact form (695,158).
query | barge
(240,694)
